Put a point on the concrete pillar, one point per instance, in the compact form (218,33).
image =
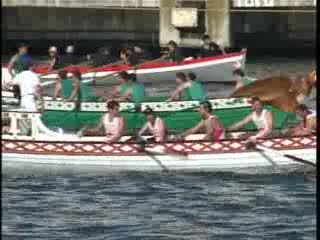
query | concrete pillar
(167,31)
(218,21)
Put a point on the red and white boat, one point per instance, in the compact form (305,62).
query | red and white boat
(46,148)
(211,69)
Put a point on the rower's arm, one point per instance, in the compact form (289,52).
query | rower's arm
(57,91)
(126,97)
(119,133)
(162,132)
(241,124)
(11,65)
(52,63)
(143,130)
(269,127)
(176,93)
(75,92)
(193,130)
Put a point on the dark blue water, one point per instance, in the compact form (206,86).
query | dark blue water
(158,206)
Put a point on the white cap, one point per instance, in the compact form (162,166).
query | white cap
(53,49)
(70,49)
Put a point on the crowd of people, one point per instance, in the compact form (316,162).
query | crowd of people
(129,90)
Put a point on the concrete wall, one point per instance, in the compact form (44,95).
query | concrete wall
(69,23)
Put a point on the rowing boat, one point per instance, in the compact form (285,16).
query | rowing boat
(58,113)
(211,69)
(46,148)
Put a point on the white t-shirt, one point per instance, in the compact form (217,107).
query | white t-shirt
(27,81)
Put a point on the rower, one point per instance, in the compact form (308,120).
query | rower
(64,86)
(210,48)
(81,91)
(121,89)
(155,125)
(17,62)
(29,84)
(308,125)
(214,129)
(188,88)
(111,123)
(172,54)
(240,78)
(54,59)
(262,118)
(135,91)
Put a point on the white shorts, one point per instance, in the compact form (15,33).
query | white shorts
(28,103)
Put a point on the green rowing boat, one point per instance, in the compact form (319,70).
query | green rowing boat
(178,115)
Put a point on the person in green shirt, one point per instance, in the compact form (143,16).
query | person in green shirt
(122,88)
(64,86)
(241,79)
(172,54)
(188,88)
(135,91)
(81,90)
(17,62)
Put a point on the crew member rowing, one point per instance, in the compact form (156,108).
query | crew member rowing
(155,125)
(214,129)
(262,118)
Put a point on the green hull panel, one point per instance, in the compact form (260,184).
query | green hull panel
(176,121)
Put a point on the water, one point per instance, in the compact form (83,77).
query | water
(71,205)
(158,206)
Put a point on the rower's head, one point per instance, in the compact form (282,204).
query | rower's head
(192,76)
(76,75)
(181,78)
(256,104)
(206,39)
(137,49)
(113,107)
(23,49)
(172,45)
(123,76)
(205,109)
(150,114)
(302,110)
(132,78)
(62,74)
(53,51)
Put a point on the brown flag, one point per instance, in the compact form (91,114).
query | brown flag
(282,92)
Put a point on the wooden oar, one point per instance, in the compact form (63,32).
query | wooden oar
(293,158)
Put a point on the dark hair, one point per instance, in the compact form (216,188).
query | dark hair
(23,45)
(133,77)
(255,99)
(112,104)
(77,74)
(238,72)
(207,105)
(192,76)
(205,37)
(181,76)
(149,111)
(124,75)
(302,107)
(172,43)
(62,74)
